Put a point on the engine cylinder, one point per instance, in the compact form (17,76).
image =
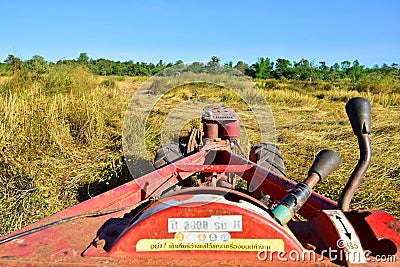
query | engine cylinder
(220,122)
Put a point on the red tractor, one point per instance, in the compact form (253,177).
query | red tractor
(161,218)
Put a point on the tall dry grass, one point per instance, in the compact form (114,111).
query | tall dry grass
(59,133)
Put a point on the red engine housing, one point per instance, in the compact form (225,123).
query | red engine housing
(220,122)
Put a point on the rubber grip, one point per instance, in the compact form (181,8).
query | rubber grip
(325,163)
(358,110)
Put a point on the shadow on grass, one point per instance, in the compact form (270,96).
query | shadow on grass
(113,177)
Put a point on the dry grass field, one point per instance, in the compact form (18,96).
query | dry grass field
(60,137)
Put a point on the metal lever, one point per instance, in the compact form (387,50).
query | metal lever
(325,163)
(359,112)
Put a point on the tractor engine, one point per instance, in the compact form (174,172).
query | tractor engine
(220,122)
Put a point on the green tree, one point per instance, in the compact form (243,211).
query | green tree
(215,59)
(345,65)
(336,67)
(324,71)
(241,66)
(196,67)
(11,60)
(335,71)
(261,69)
(37,64)
(14,63)
(264,69)
(229,64)
(357,70)
(83,58)
(283,69)
(302,69)
(160,63)
(214,62)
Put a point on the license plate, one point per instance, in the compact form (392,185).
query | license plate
(223,223)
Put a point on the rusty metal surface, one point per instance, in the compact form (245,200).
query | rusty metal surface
(358,173)
(213,168)
(210,130)
(229,130)
(194,141)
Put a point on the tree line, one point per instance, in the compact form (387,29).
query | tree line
(264,68)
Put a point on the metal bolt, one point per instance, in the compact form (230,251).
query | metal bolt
(100,243)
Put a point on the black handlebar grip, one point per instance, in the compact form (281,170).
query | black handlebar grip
(359,111)
(325,163)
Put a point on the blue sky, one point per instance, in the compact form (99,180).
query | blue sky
(331,31)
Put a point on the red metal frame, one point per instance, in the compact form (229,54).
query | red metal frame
(81,241)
